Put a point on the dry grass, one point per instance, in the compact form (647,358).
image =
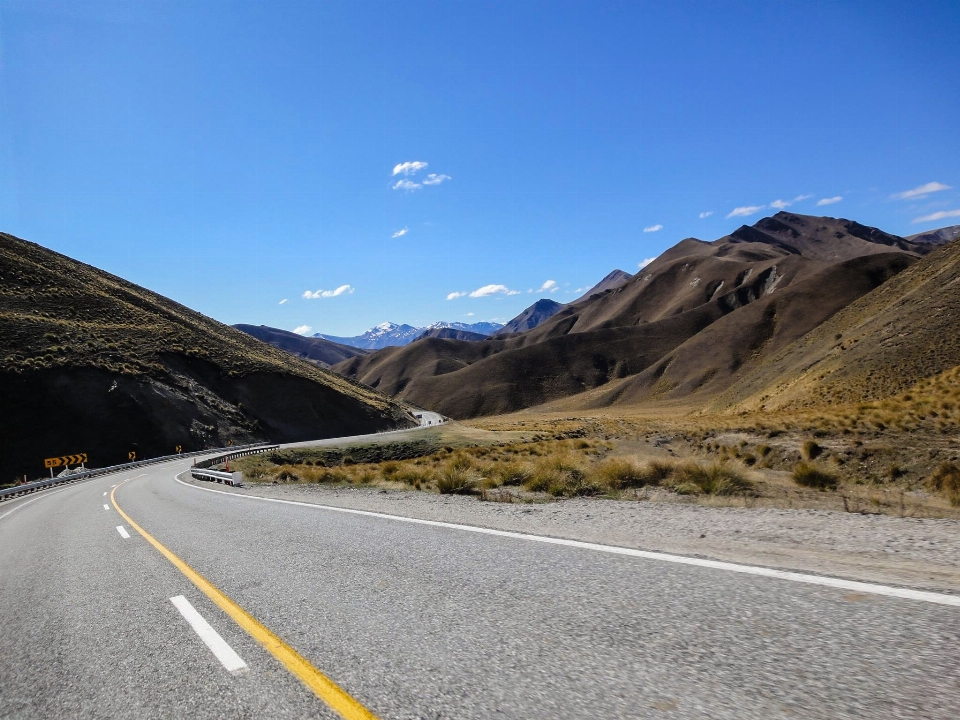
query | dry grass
(813,476)
(946,480)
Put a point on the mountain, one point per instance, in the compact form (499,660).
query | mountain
(390,334)
(531,317)
(943,235)
(546,308)
(450,333)
(94,364)
(614,280)
(878,346)
(687,322)
(383,335)
(313,349)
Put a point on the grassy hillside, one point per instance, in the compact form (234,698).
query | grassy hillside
(92,363)
(879,346)
(690,321)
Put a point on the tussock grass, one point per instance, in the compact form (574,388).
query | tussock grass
(946,480)
(710,479)
(811,450)
(814,476)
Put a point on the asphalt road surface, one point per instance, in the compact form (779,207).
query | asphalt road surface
(236,607)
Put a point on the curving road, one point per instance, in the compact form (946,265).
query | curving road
(412,620)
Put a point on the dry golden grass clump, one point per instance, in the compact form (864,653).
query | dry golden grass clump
(814,476)
(503,471)
(946,480)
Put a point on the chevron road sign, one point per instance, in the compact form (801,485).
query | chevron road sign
(65,460)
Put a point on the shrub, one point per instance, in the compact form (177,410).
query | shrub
(946,480)
(763,450)
(454,480)
(811,475)
(413,476)
(512,474)
(713,479)
(811,450)
(617,474)
(561,477)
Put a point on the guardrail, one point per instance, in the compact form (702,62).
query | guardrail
(85,474)
(227,478)
(201,472)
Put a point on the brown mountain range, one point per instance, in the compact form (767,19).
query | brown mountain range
(689,322)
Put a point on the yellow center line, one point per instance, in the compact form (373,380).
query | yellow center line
(326,689)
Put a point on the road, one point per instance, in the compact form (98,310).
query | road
(414,620)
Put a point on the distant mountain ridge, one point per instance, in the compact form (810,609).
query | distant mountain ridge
(694,321)
(316,350)
(391,334)
(545,308)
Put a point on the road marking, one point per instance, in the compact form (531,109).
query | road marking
(24,504)
(106,507)
(123,532)
(232,662)
(104,494)
(832,582)
(326,689)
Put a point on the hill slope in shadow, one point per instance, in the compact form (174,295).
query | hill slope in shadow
(95,364)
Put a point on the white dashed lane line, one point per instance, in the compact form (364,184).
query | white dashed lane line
(106,507)
(232,662)
(123,532)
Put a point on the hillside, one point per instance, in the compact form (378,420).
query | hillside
(313,349)
(769,283)
(534,315)
(943,235)
(95,364)
(879,346)
(614,279)
(450,333)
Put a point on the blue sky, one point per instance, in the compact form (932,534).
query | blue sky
(233,155)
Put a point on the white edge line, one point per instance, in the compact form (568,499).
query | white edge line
(232,662)
(24,504)
(123,532)
(853,585)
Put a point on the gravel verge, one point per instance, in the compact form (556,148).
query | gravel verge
(912,552)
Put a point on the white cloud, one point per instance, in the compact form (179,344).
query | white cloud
(434,179)
(488,290)
(302,329)
(920,192)
(938,216)
(643,263)
(706,214)
(405,185)
(408,168)
(653,228)
(781,204)
(548,286)
(745,210)
(400,233)
(829,201)
(801,198)
(455,295)
(470,314)
(342,290)
(284,300)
